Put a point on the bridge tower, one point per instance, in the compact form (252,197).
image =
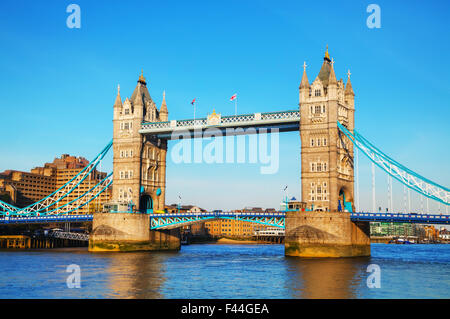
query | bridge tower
(327,176)
(327,156)
(139,162)
(139,174)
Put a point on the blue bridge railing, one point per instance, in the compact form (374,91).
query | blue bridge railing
(275,219)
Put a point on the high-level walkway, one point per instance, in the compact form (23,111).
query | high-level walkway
(283,121)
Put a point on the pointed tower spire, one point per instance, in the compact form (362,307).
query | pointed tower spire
(138,99)
(141,78)
(332,78)
(118,102)
(304,83)
(348,87)
(324,73)
(327,55)
(163,112)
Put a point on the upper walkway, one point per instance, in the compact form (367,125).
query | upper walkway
(284,121)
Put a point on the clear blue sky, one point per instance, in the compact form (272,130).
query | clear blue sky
(58,85)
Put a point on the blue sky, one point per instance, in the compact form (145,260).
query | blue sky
(58,85)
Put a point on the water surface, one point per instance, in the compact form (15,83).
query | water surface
(226,271)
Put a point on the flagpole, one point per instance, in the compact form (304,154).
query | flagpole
(235,106)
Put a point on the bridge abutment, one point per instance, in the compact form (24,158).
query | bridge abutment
(325,234)
(129,232)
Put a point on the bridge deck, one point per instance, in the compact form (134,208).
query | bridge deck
(161,221)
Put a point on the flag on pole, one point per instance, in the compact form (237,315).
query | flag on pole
(234,97)
(193,101)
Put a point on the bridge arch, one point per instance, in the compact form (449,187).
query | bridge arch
(345,199)
(146,203)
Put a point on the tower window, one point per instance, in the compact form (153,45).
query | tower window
(127,111)
(317,93)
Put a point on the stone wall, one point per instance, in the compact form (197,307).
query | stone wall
(325,234)
(129,232)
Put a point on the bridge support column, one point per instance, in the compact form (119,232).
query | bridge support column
(325,234)
(129,232)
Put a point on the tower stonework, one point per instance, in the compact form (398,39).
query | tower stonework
(326,155)
(139,162)
(326,229)
(139,165)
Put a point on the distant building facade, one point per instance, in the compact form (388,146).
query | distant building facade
(26,188)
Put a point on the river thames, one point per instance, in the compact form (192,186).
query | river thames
(226,271)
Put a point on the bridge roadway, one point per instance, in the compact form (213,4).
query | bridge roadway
(276,219)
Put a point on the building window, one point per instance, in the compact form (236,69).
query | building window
(323,108)
(324,141)
(127,111)
(317,92)
(319,167)
(313,167)
(318,142)
(312,142)
(317,109)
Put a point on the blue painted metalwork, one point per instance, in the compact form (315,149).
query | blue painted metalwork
(32,209)
(166,221)
(277,219)
(401,173)
(401,218)
(55,211)
(46,219)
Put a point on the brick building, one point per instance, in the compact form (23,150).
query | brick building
(26,188)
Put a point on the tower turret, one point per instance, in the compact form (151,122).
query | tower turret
(117,104)
(304,85)
(163,112)
(332,82)
(349,94)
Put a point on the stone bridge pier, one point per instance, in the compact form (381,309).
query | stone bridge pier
(129,232)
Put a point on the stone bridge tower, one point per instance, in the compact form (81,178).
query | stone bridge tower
(139,165)
(327,172)
(327,155)
(139,162)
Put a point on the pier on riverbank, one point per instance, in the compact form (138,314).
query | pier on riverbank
(42,242)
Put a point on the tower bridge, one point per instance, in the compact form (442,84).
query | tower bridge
(329,227)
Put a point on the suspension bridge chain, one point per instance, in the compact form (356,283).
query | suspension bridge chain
(401,173)
(44,206)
